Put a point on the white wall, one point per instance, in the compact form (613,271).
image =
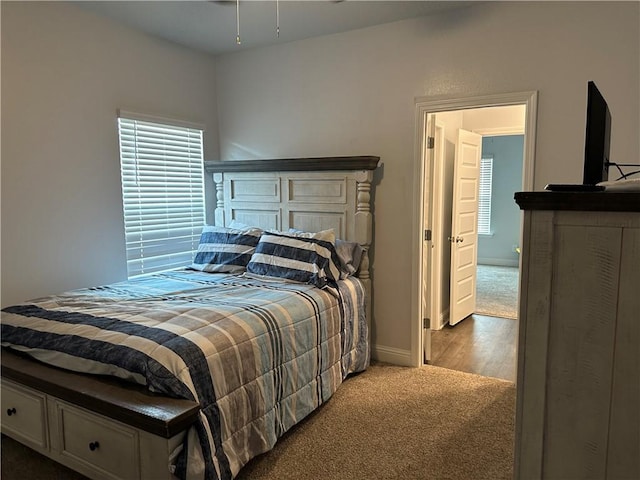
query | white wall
(65,72)
(353,93)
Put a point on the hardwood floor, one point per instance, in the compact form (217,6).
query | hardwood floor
(478,344)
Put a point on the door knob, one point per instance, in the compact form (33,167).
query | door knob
(457,239)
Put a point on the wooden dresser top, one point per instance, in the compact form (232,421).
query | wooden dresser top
(579,201)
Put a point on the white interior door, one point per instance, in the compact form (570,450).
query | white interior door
(427,244)
(464,226)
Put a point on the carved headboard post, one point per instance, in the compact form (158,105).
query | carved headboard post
(364,230)
(219,211)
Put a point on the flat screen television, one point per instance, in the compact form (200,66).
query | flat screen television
(597,137)
(596,145)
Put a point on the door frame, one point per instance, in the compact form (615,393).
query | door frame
(423,194)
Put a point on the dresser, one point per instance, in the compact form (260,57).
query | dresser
(578,383)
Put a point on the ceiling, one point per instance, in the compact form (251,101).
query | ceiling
(211,26)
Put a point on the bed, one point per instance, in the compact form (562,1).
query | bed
(191,373)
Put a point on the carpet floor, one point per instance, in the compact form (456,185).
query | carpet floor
(497,291)
(389,422)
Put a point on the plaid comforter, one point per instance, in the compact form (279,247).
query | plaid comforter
(258,356)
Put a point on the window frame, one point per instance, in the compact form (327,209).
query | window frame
(163,191)
(485,188)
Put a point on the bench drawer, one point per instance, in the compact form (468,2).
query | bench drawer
(24,414)
(110,449)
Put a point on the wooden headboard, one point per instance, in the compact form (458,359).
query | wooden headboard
(309,194)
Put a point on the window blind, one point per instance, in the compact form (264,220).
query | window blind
(484,197)
(162,193)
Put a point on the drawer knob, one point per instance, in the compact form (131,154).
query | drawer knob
(94,446)
(11,411)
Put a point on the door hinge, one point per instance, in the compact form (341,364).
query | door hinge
(426,323)
(431,142)
(427,235)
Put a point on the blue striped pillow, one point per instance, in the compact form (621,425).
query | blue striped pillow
(225,250)
(301,257)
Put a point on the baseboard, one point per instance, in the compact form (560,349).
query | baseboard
(499,262)
(395,356)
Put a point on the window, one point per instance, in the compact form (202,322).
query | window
(162,192)
(484,197)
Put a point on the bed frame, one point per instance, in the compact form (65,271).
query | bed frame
(108,429)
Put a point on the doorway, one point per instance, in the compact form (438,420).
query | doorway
(431,245)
